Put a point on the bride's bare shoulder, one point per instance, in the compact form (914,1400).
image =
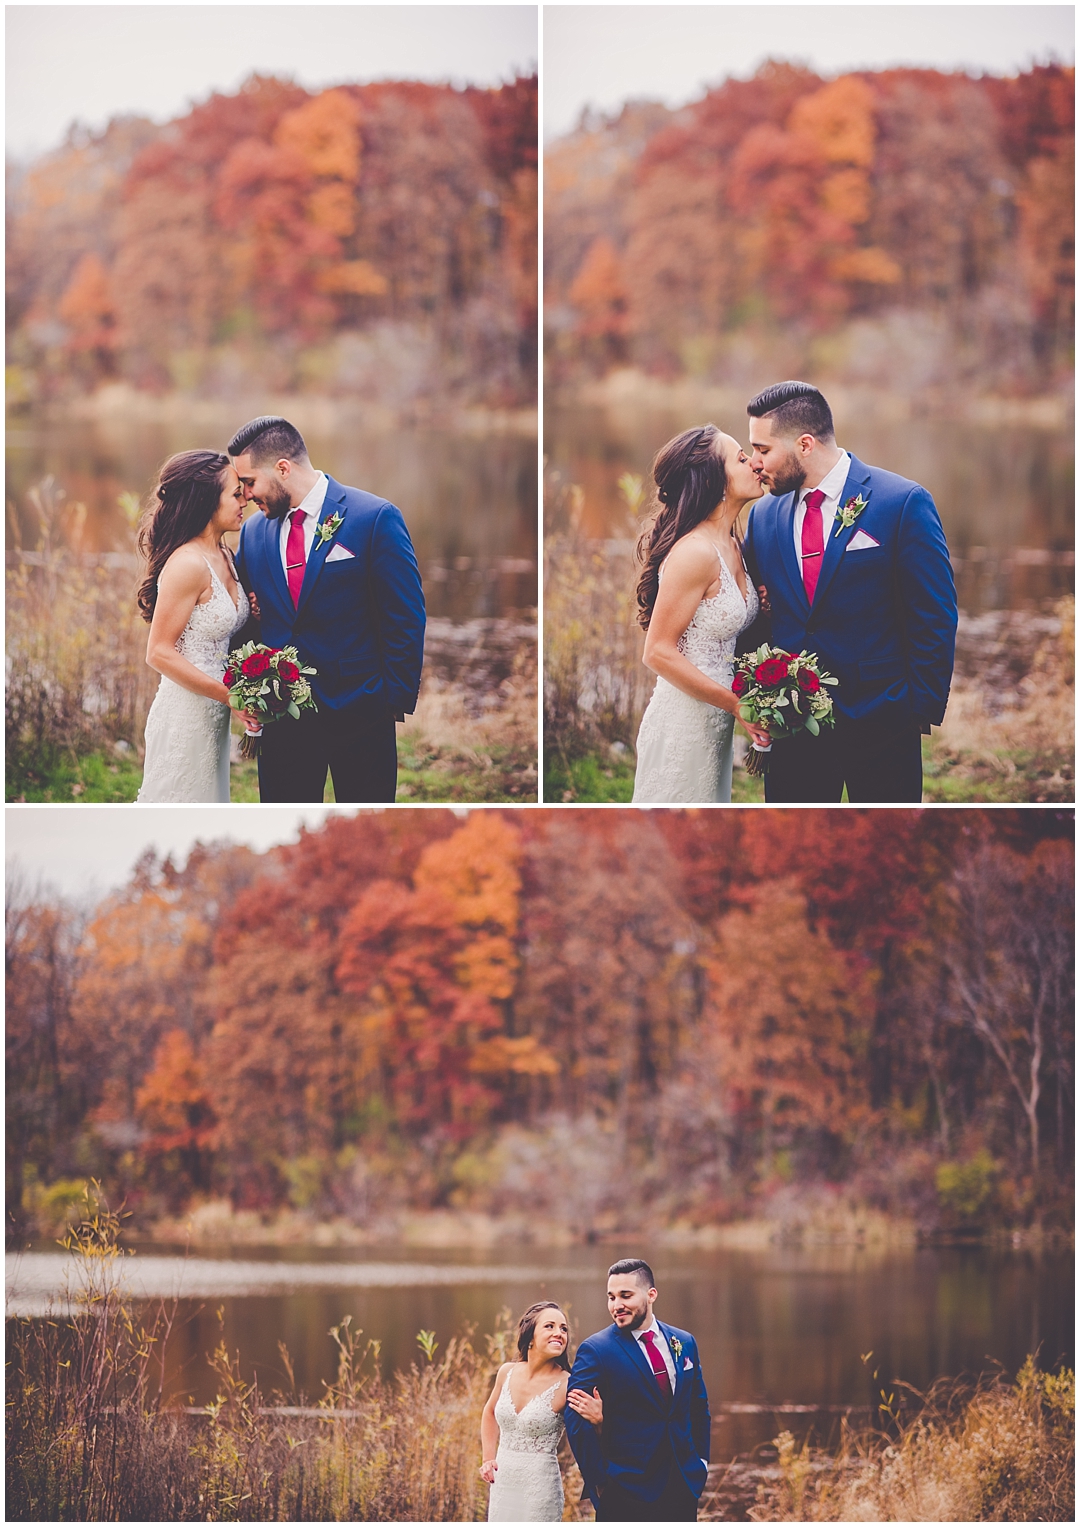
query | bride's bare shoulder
(692,557)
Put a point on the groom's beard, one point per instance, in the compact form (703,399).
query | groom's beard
(276,503)
(788,478)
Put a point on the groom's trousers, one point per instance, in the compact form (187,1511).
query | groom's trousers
(357,745)
(878,758)
(676,1504)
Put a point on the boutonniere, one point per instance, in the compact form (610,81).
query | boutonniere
(850,513)
(329,528)
(676,1347)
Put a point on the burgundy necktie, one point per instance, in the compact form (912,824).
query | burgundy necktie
(659,1367)
(813,546)
(294,553)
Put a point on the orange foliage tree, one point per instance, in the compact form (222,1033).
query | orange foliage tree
(433,968)
(174,1108)
(790,1020)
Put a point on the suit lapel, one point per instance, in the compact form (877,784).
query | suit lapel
(676,1359)
(785,520)
(858,480)
(270,533)
(638,1359)
(333,503)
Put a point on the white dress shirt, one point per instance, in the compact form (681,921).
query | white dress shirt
(832,485)
(312,507)
(660,1345)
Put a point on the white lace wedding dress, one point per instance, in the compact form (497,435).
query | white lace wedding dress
(528,1485)
(684,746)
(187,736)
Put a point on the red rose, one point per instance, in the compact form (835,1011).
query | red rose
(288,671)
(228,678)
(738,684)
(255,665)
(774,670)
(809,681)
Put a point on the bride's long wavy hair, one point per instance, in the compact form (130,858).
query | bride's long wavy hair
(527,1329)
(690,482)
(188,491)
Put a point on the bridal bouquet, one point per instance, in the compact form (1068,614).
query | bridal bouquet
(269,683)
(784,691)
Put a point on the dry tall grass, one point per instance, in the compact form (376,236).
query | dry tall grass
(595,685)
(1002,1453)
(76,668)
(92,1437)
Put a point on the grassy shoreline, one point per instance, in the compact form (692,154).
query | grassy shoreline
(215,1222)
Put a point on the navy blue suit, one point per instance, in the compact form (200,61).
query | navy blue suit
(883,621)
(645,1435)
(360,622)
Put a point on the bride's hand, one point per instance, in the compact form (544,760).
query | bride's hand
(763,596)
(590,1407)
(254,603)
(487,1471)
(758,734)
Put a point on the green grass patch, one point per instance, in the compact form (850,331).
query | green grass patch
(605,776)
(97,776)
(426,773)
(429,772)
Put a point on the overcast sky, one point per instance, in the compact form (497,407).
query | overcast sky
(88,850)
(603,55)
(93,62)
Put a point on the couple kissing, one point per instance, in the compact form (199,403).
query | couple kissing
(324,595)
(633,1408)
(843,564)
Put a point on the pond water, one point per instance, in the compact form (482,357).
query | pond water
(1005,493)
(469,499)
(787,1326)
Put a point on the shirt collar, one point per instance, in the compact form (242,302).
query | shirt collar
(313,500)
(639,1334)
(832,484)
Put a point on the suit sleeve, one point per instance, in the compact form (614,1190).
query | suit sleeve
(396,579)
(700,1421)
(582,1435)
(928,603)
(251,630)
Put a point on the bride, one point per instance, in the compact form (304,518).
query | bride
(195,605)
(694,598)
(522,1425)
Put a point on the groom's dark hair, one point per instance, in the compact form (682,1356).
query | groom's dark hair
(634,1265)
(797,407)
(270,438)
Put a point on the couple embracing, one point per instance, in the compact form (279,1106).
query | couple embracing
(324,571)
(841,561)
(634,1409)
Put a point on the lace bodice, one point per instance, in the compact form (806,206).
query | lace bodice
(709,639)
(204,641)
(684,746)
(536,1428)
(187,735)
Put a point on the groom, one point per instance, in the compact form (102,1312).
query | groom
(650,1460)
(857,570)
(335,575)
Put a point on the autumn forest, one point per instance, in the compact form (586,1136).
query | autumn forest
(904,229)
(513,1010)
(326,238)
